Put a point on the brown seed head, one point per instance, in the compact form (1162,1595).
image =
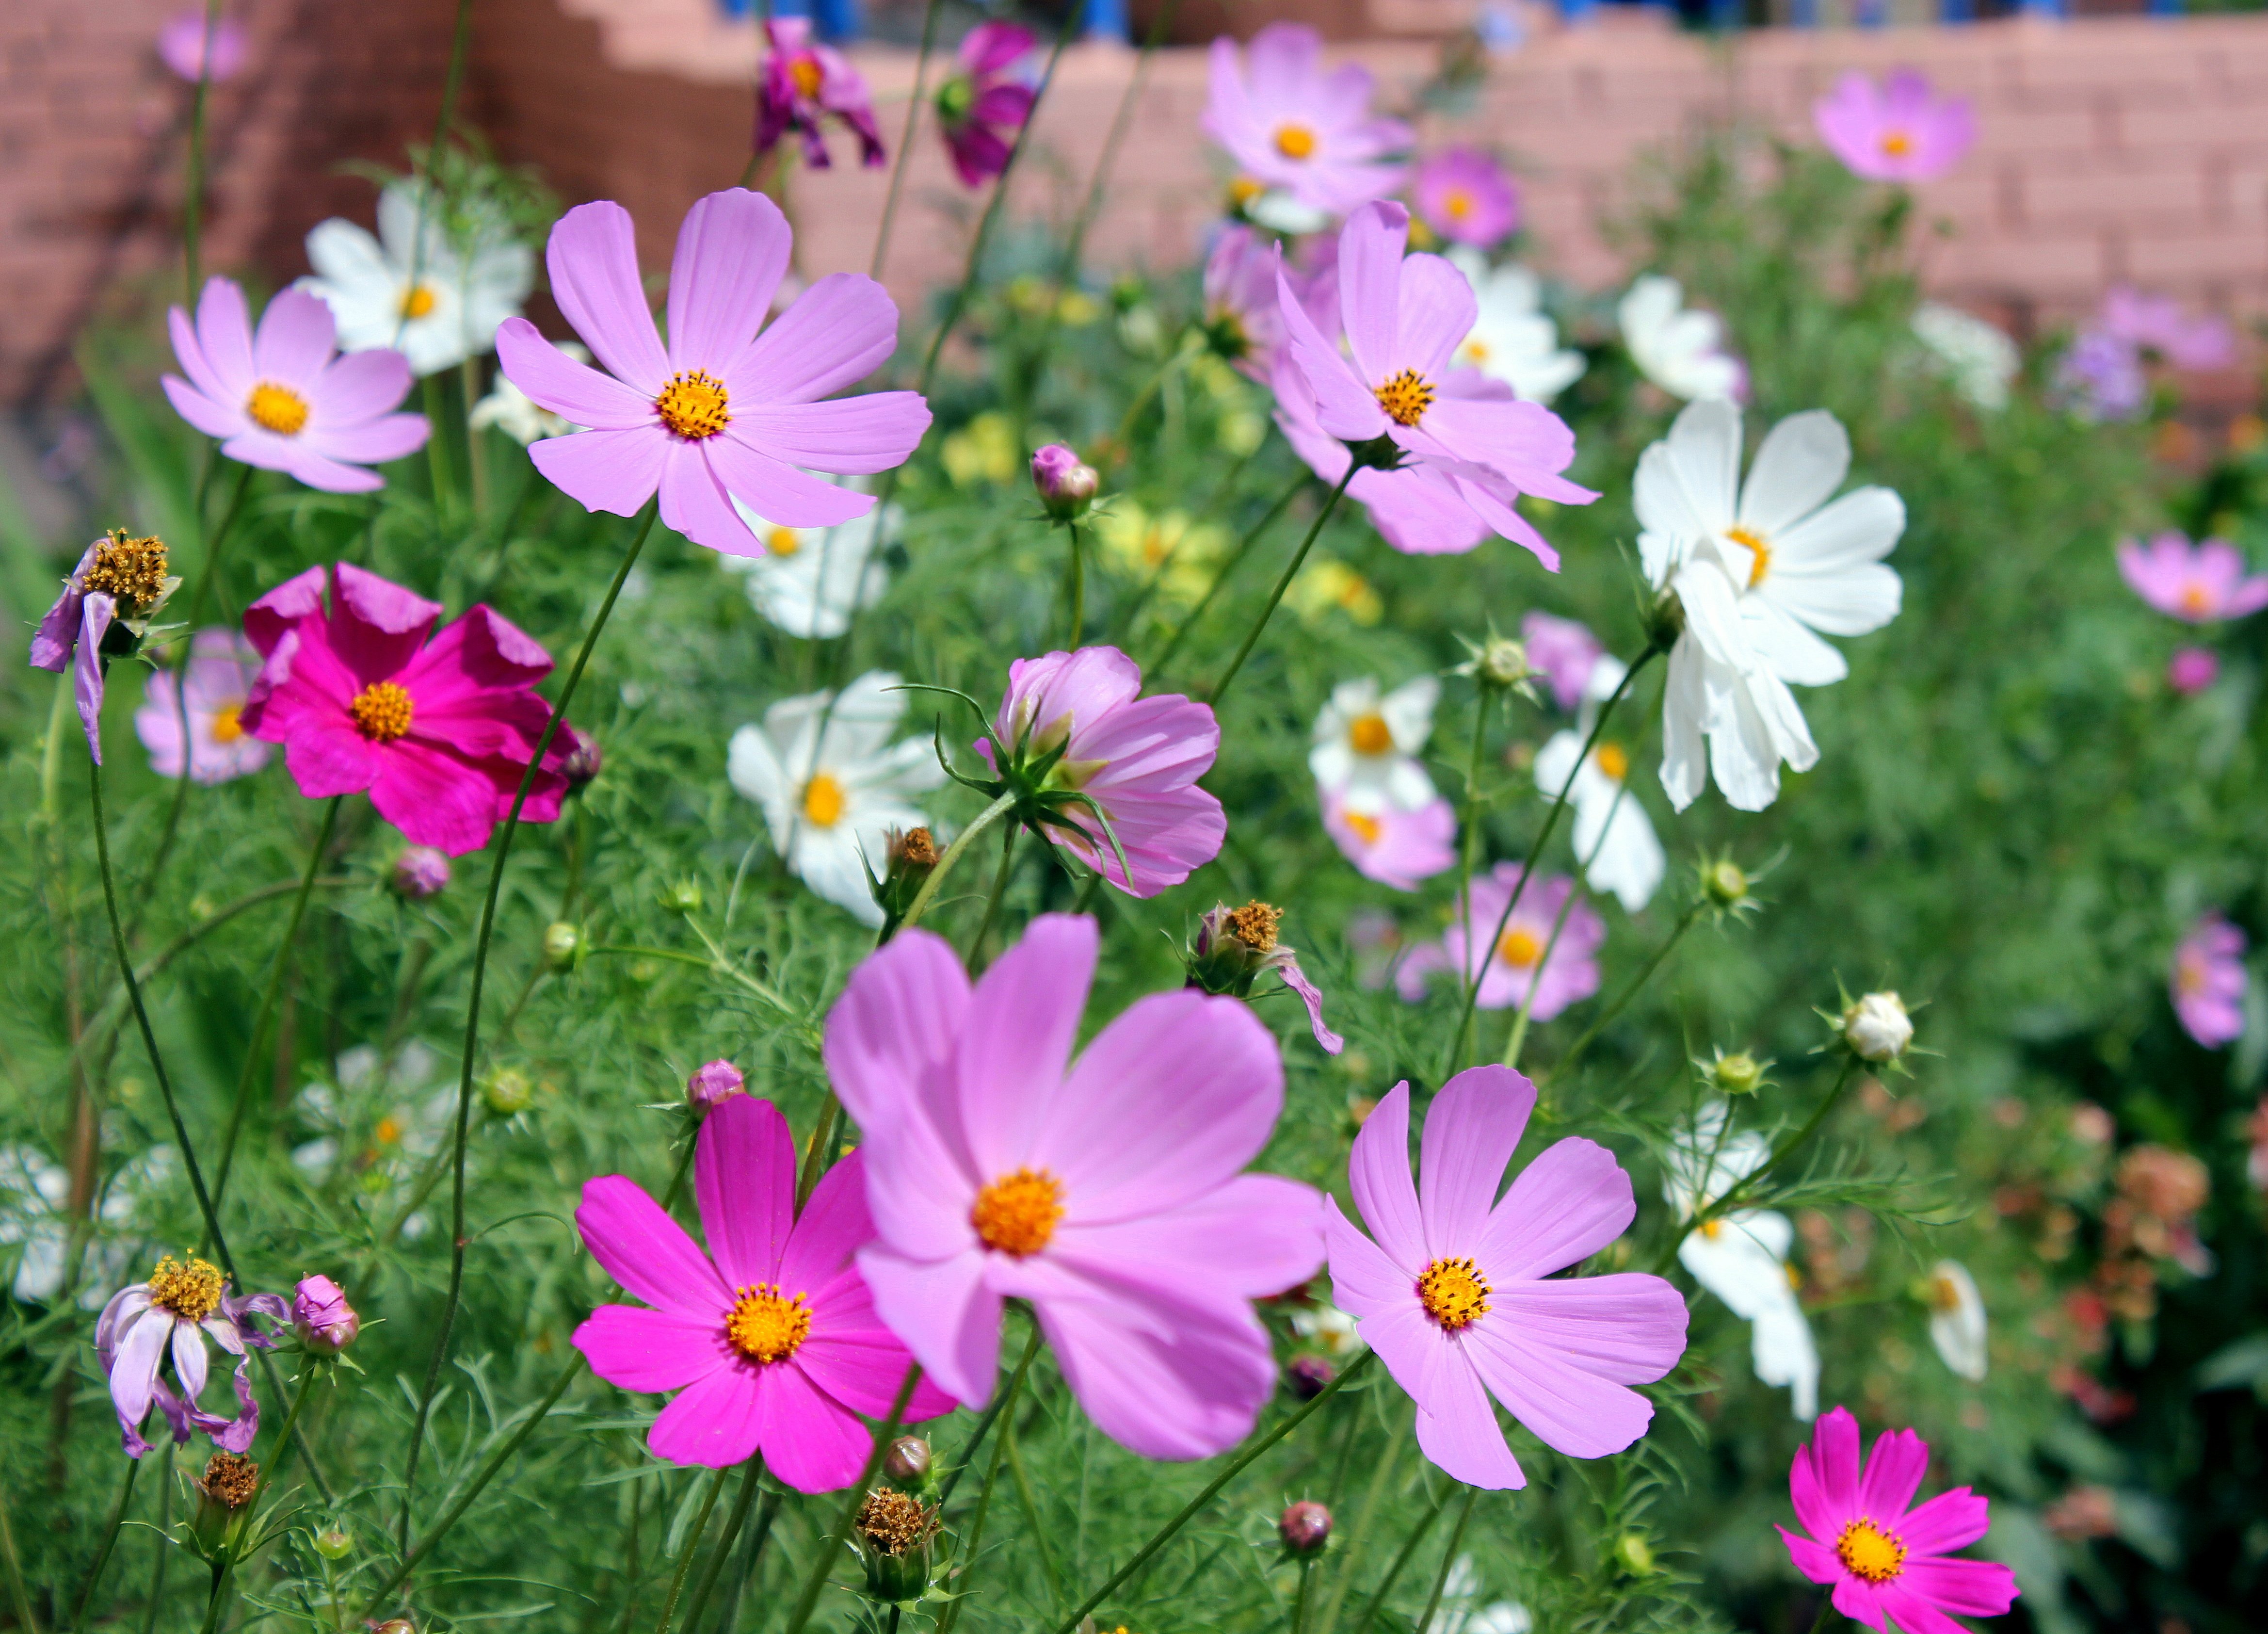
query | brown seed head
(132,570)
(894,1524)
(231,1479)
(916,848)
(1254,925)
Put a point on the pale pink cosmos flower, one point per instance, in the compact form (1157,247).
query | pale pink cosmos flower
(771,1338)
(181,45)
(1242,321)
(2156,323)
(174,1313)
(284,399)
(2200,584)
(2208,981)
(1900,130)
(1885,1556)
(1288,123)
(1109,1192)
(1563,652)
(216,682)
(1516,960)
(1471,452)
(724,413)
(2192,669)
(1465,197)
(1395,847)
(981,107)
(802,85)
(1458,1294)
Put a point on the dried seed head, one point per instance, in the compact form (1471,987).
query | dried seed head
(894,1524)
(230,1480)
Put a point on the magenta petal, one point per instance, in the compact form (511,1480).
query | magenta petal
(864,1368)
(1378,1173)
(434,797)
(96,612)
(833,1225)
(1569,1204)
(1471,1130)
(594,276)
(611,471)
(1950,1520)
(634,1349)
(646,1251)
(948,1317)
(717,1421)
(1820,1517)
(1862,1603)
(573,390)
(1835,1461)
(732,248)
(376,626)
(812,1442)
(1975,1588)
(838,332)
(1816,1560)
(1895,1469)
(744,1174)
(1190,1394)
(1569,1409)
(1457,1428)
(1016,1045)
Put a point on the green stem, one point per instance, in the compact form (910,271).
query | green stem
(1078,588)
(990,1416)
(965,1559)
(734,1522)
(279,1460)
(1605,1018)
(1449,1558)
(693,1536)
(831,1541)
(165,1546)
(1156,667)
(747,1565)
(1282,584)
(193,201)
(1468,851)
(905,141)
(1747,1183)
(1358,1534)
(16,1591)
(1402,1559)
(1031,1508)
(436,448)
(109,1542)
(985,819)
(815,1161)
(1300,1602)
(992,901)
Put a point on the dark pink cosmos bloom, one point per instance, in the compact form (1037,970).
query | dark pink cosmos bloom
(980,107)
(181,45)
(2192,669)
(770,1338)
(1464,195)
(2208,981)
(1110,1191)
(1564,653)
(439,733)
(802,85)
(216,681)
(1289,124)
(1457,1293)
(284,399)
(321,1317)
(1885,1557)
(725,414)
(1137,758)
(1471,450)
(1523,956)
(2200,584)
(1900,130)
(1389,844)
(2156,323)
(173,1314)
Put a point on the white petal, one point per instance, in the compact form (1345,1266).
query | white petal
(1783,1352)
(1801,461)
(1863,526)
(1408,713)
(1685,704)
(1786,648)
(1854,601)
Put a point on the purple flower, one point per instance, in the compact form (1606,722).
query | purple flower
(2208,981)
(2192,669)
(2102,378)
(284,399)
(802,85)
(1109,1192)
(1898,131)
(980,107)
(1235,946)
(1289,124)
(2156,324)
(1517,961)
(1457,1293)
(1392,846)
(1472,449)
(216,682)
(1564,653)
(174,1313)
(713,1081)
(1244,323)
(322,1316)
(1066,485)
(181,45)
(421,871)
(2200,584)
(725,414)
(1465,196)
(106,603)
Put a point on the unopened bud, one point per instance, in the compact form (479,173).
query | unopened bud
(1725,883)
(1310,1376)
(1305,1528)
(1066,485)
(683,897)
(320,1316)
(1636,1554)
(507,1092)
(564,946)
(419,873)
(1877,1027)
(1503,662)
(334,1543)
(1737,1074)
(908,1460)
(1664,621)
(394,1625)
(711,1083)
(584,758)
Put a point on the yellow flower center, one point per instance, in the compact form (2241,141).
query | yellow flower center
(1896,145)
(1243,190)
(132,570)
(1017,1213)
(2189,976)
(2196,601)
(693,405)
(1867,1552)
(1944,1294)
(783,541)
(277,408)
(1454,1292)
(191,1292)
(1612,759)
(382,712)
(389,1131)
(1757,547)
(227,724)
(1295,141)
(765,1325)
(1519,949)
(417,300)
(1712,1229)
(1370,734)
(823,801)
(1475,351)
(1406,397)
(1366,826)
(1458,204)
(806,73)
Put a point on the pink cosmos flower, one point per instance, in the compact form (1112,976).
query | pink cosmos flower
(1388,845)
(2208,981)
(181,45)
(1136,758)
(2199,584)
(802,85)
(1415,518)
(320,1316)
(439,733)
(2156,323)
(1289,124)
(1471,452)
(1564,653)
(1465,196)
(1886,1557)
(771,1338)
(1898,131)
(1517,961)
(980,108)
(725,414)
(1457,1293)
(216,681)
(1242,321)
(1108,1191)
(284,399)
(2192,669)
(173,1314)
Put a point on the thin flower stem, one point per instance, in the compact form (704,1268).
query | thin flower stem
(1747,1183)
(436,448)
(192,192)
(1282,584)
(905,141)
(1449,1558)
(1189,1510)
(1584,865)
(924,897)
(278,1460)
(1469,849)
(1127,619)
(109,1542)
(815,1161)
(766,1514)
(1156,667)
(457,1240)
(992,901)
(1826,1610)
(155,1597)
(1299,1602)
(693,1536)
(965,1559)
(1380,1476)
(992,1416)
(16,1591)
(1402,1559)
(824,1563)
(1078,588)
(1605,1018)
(734,1522)
(1031,1508)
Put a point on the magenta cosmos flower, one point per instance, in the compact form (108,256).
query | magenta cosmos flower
(2192,669)
(173,1314)
(770,1338)
(284,399)
(1074,724)
(725,414)
(215,685)
(181,45)
(1108,1191)
(2200,584)
(802,85)
(981,107)
(1289,124)
(1563,652)
(439,733)
(1470,450)
(1464,195)
(1900,130)
(1516,959)
(1885,1557)
(1454,1294)
(2156,323)
(1392,846)
(2208,981)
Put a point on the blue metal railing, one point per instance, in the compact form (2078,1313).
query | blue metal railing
(841,20)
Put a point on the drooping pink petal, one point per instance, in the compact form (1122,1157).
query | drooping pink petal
(719,1420)
(1457,1428)
(96,612)
(1569,1204)
(1187,1395)
(1016,1045)
(743,1177)
(134,1371)
(1471,1130)
(574,391)
(593,258)
(1379,1175)
(731,250)
(946,1315)
(647,1252)
(635,1348)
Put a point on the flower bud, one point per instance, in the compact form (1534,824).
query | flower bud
(1725,884)
(506,1092)
(334,1543)
(1310,1376)
(1636,1554)
(1305,1528)
(1503,662)
(908,1460)
(419,873)
(1066,486)
(394,1625)
(682,897)
(1740,1073)
(893,1532)
(584,758)
(320,1316)
(711,1083)
(564,946)
(1877,1027)
(1665,621)
(1232,947)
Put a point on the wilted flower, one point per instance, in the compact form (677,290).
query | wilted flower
(419,873)
(173,1312)
(1511,339)
(1290,125)
(1066,485)
(230,1483)
(802,85)
(105,610)
(711,1083)
(1305,1528)
(1466,198)
(1235,946)
(2200,583)
(1395,847)
(1900,130)
(414,286)
(181,45)
(215,682)
(322,1316)
(1876,1028)
(1680,349)
(1956,1318)
(1522,958)
(981,105)
(892,1533)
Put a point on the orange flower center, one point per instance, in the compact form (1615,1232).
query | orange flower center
(1519,949)
(1243,190)
(1367,827)
(1896,145)
(227,724)
(1370,734)
(1018,1213)
(191,1292)
(1475,351)
(277,408)
(417,300)
(382,712)
(2196,601)
(783,541)
(693,405)
(823,801)
(1406,397)
(1458,204)
(1757,547)
(1295,141)
(1612,759)
(1454,1292)
(807,76)
(1868,1552)
(765,1325)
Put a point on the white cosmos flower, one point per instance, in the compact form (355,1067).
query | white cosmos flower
(1512,339)
(1366,745)
(1613,835)
(1330,1330)
(411,288)
(1456,1615)
(1956,1318)
(1761,569)
(515,414)
(1981,360)
(832,792)
(1679,349)
(810,580)
(36,1215)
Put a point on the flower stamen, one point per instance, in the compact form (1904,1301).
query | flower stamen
(1869,1553)
(1367,827)
(1295,141)
(765,1325)
(1406,397)
(417,301)
(228,724)
(1454,1293)
(131,569)
(1369,734)
(783,541)
(1520,948)
(1018,1213)
(1757,547)
(191,1292)
(382,712)
(277,408)
(693,404)
(1613,760)
(823,801)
